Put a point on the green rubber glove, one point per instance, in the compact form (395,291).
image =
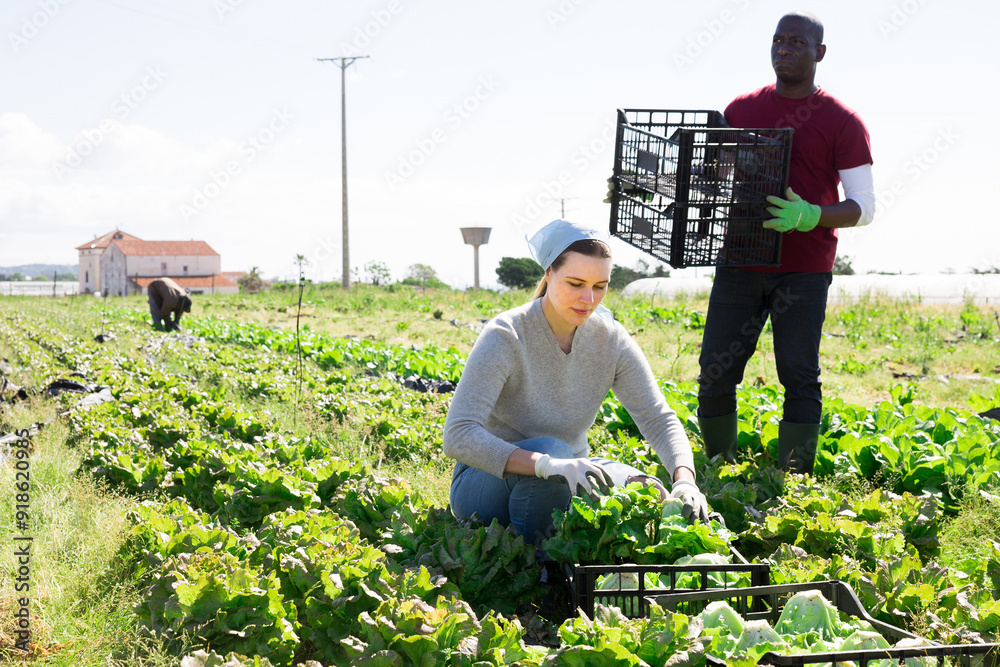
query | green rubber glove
(792,213)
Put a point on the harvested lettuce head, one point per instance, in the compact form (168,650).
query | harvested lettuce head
(916,642)
(861,640)
(719,614)
(809,611)
(703,559)
(672,507)
(712,579)
(618,581)
(757,632)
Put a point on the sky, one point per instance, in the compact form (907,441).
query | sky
(215,120)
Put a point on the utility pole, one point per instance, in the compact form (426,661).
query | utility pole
(343,64)
(562,206)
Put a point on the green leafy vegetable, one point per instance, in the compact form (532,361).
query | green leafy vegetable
(720,615)
(629,525)
(809,611)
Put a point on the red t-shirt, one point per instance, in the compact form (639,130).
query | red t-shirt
(828,137)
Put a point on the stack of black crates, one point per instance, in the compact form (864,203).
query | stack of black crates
(766,602)
(691,191)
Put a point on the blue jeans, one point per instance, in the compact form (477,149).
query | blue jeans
(524,501)
(740,303)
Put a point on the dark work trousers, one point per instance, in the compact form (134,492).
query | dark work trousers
(154,311)
(739,305)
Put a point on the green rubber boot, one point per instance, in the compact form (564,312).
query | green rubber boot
(719,436)
(797,446)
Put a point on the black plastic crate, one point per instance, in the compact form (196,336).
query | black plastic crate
(633,602)
(693,192)
(766,602)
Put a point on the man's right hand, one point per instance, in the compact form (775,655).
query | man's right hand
(611,190)
(628,189)
(576,473)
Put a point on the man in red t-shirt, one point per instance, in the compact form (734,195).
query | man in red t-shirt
(830,146)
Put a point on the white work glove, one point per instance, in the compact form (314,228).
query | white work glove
(576,473)
(695,505)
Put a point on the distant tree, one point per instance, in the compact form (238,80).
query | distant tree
(15,277)
(519,272)
(988,270)
(66,275)
(622,276)
(251,283)
(842,266)
(421,275)
(377,272)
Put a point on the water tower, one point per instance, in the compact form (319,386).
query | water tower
(476,236)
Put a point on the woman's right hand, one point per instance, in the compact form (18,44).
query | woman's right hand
(575,473)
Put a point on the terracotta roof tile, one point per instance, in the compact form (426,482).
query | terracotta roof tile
(188,281)
(105,241)
(164,248)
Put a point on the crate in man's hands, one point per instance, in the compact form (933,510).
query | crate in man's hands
(693,192)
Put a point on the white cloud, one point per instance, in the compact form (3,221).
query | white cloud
(136,179)
(24,147)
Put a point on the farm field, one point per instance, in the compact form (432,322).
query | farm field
(250,496)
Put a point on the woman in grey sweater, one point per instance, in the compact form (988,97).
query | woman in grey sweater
(533,385)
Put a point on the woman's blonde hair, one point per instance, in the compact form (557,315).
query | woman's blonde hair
(588,247)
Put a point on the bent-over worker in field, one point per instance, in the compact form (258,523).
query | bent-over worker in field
(167,298)
(830,146)
(533,385)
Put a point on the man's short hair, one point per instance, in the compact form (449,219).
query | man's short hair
(815,25)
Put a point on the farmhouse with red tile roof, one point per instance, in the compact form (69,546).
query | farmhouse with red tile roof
(119,264)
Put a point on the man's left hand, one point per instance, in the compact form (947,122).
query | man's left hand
(793,213)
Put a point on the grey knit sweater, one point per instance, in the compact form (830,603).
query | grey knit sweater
(518,384)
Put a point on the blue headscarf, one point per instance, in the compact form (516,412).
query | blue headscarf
(551,240)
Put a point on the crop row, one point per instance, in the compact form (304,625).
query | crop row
(262,543)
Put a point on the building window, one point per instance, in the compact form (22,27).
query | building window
(185,270)
(86,277)
(163,267)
